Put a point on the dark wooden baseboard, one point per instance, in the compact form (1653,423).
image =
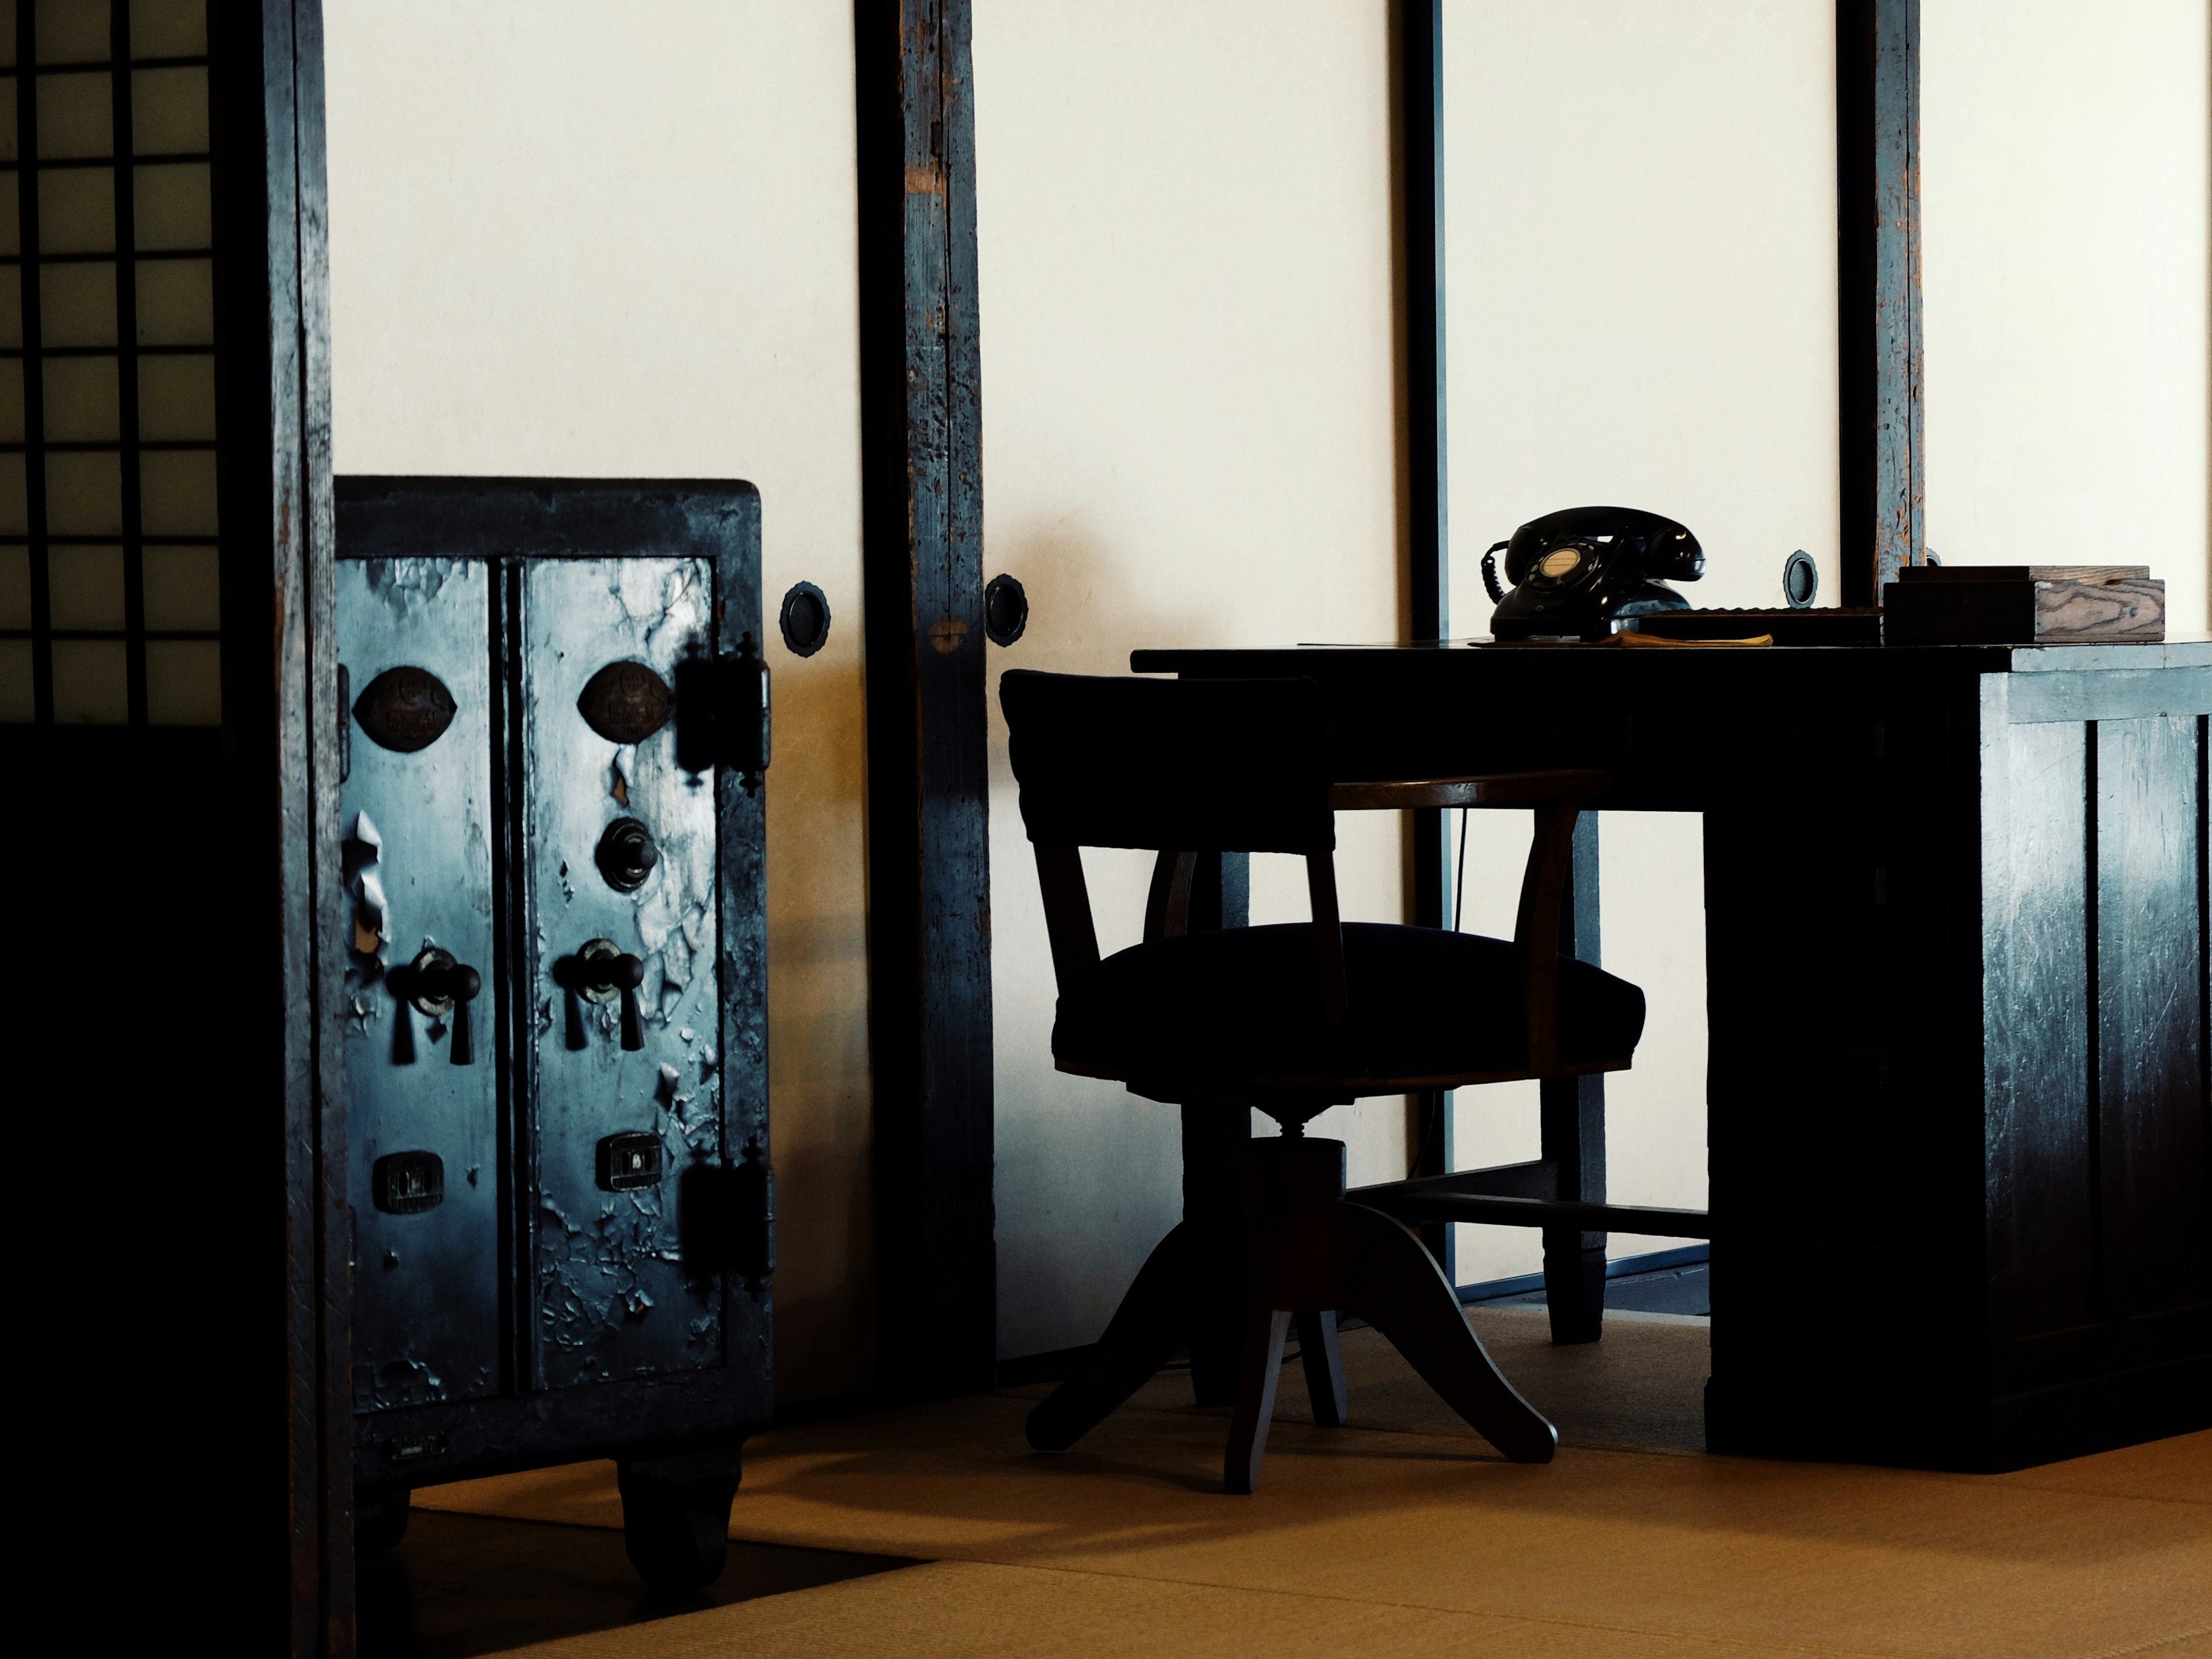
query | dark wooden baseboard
(2018,1432)
(1500,1290)
(2120,1409)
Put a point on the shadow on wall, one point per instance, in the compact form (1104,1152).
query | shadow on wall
(1089,1176)
(1084,616)
(825,1320)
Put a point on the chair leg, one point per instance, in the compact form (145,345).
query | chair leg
(1324,1367)
(1572,1112)
(1393,1284)
(1145,1330)
(1257,1368)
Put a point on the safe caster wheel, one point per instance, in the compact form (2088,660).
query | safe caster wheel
(380,1522)
(676,1526)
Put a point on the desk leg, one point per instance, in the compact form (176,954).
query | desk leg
(1573,1117)
(1213,1140)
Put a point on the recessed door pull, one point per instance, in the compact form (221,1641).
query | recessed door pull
(442,988)
(629,1161)
(600,972)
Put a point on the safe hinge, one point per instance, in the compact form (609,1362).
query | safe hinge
(722,716)
(726,1218)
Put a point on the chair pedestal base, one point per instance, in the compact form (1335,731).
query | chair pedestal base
(1308,1256)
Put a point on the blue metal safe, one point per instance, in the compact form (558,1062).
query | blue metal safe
(556,729)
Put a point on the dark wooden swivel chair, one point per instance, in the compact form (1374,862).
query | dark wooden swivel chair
(1288,1019)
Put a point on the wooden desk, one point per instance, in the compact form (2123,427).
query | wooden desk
(1959,1119)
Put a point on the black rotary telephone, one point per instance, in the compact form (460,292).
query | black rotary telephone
(1581,573)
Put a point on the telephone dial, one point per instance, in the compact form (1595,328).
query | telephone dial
(1582,573)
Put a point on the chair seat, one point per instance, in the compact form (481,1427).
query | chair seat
(1241,1009)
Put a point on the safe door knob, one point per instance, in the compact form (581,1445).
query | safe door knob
(626,854)
(443,989)
(601,971)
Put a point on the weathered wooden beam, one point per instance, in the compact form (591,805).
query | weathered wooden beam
(928,774)
(1882,461)
(277,803)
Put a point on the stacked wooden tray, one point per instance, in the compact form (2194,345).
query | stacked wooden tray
(2024,604)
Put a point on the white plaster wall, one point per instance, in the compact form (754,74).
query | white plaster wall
(1188,420)
(2063,236)
(1641,287)
(579,239)
(576,238)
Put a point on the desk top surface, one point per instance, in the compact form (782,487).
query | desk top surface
(2189,651)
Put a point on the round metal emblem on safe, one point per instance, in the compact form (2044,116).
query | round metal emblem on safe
(405,710)
(626,702)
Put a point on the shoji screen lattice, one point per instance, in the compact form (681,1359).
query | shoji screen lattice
(109,600)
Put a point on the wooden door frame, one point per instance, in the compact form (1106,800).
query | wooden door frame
(1417,121)
(1881,459)
(1881,360)
(280,703)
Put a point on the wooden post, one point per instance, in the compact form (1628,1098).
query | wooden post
(1882,461)
(928,774)
(276,814)
(1418,118)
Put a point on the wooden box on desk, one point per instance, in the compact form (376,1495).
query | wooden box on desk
(2024,604)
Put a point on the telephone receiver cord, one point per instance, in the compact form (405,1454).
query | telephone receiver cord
(1490,574)
(1459,878)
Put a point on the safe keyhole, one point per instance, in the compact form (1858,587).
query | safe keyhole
(437,987)
(601,972)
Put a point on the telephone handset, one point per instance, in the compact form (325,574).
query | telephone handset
(1579,573)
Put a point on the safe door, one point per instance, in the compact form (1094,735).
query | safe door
(552,822)
(416,816)
(624,1044)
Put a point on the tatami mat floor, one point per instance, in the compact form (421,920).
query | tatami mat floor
(1406,1534)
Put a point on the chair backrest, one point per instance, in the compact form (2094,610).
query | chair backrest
(1231,766)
